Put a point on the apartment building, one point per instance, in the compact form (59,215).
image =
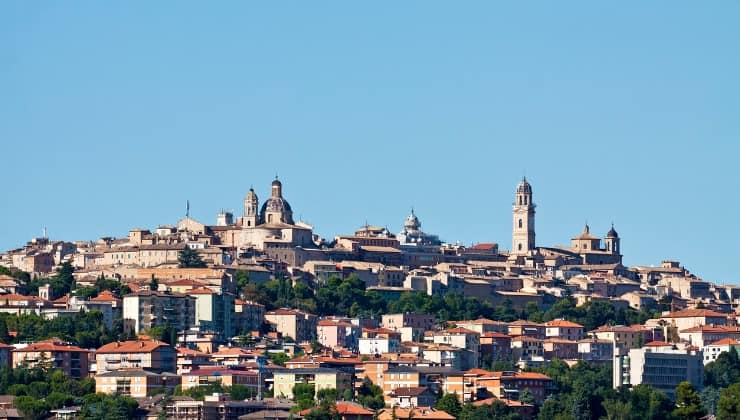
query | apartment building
(53,354)
(152,355)
(660,365)
(146,309)
(299,325)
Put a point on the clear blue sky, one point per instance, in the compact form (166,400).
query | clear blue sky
(112,115)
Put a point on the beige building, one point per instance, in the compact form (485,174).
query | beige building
(135,383)
(299,325)
(248,316)
(321,378)
(146,309)
(136,354)
(53,354)
(619,335)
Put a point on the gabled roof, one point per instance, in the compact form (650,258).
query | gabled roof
(562,323)
(691,313)
(132,346)
(410,391)
(658,344)
(458,330)
(105,296)
(726,342)
(50,345)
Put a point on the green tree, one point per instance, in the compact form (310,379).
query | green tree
(31,408)
(107,407)
(688,402)
(724,371)
(710,398)
(370,395)
(278,358)
(449,403)
(190,258)
(728,407)
(303,395)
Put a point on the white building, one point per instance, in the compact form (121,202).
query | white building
(659,365)
(713,350)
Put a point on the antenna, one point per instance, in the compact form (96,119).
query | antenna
(43,232)
(187,209)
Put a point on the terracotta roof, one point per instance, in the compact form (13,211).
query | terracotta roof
(508,402)
(518,375)
(132,346)
(105,296)
(562,323)
(192,352)
(477,372)
(689,313)
(49,345)
(345,408)
(15,296)
(459,330)
(479,321)
(483,246)
(201,291)
(495,335)
(712,328)
(284,311)
(658,344)
(725,342)
(421,413)
(409,391)
(186,282)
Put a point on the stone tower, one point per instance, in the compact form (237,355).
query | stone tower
(522,238)
(612,241)
(251,209)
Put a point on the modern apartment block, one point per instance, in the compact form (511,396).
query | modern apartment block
(660,365)
(146,309)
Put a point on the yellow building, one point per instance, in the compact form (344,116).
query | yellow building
(321,378)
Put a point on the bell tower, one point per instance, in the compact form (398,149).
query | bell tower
(251,209)
(522,238)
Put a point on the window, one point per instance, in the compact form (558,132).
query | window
(520,247)
(520,223)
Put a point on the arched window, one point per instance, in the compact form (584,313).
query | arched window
(269,218)
(520,247)
(520,223)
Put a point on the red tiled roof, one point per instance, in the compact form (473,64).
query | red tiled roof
(200,291)
(459,330)
(105,296)
(50,345)
(132,346)
(725,342)
(658,344)
(562,323)
(690,313)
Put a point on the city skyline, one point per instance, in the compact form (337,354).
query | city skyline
(113,118)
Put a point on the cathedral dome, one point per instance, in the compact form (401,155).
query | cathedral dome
(524,187)
(277,205)
(277,183)
(412,222)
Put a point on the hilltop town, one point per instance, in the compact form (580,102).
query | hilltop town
(257,316)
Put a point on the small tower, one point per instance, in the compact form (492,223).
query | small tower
(522,238)
(612,241)
(251,209)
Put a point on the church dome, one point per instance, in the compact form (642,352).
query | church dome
(277,183)
(276,204)
(524,187)
(412,222)
(612,233)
